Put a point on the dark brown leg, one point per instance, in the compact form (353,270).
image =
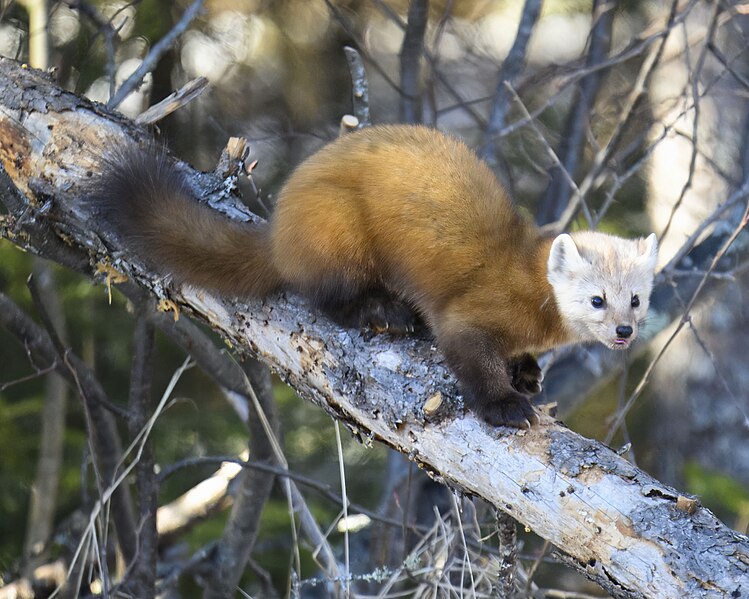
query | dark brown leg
(477,359)
(374,311)
(382,313)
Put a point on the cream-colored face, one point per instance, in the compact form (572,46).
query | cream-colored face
(602,285)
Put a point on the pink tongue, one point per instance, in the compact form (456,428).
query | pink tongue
(620,341)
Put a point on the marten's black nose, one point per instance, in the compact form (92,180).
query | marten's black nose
(623,331)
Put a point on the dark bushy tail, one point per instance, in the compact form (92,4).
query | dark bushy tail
(148,202)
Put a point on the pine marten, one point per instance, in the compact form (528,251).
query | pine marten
(392,223)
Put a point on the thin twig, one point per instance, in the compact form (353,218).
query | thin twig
(251,494)
(116,486)
(552,154)
(466,556)
(633,101)
(723,59)
(297,504)
(565,80)
(103,435)
(157,51)
(345,506)
(716,215)
(43,500)
(30,377)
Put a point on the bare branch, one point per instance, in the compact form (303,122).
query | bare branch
(571,144)
(634,99)
(552,154)
(410,60)
(359,86)
(640,45)
(155,54)
(174,101)
(696,74)
(234,549)
(511,69)
(140,579)
(441,77)
(508,549)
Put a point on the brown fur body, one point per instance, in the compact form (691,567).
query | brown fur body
(377,224)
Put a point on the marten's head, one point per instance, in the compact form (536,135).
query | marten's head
(602,284)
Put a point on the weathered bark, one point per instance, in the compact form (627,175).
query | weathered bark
(622,528)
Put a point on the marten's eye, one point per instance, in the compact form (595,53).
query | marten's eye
(635,301)
(597,301)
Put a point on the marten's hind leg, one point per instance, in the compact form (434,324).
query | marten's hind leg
(322,250)
(380,312)
(371,310)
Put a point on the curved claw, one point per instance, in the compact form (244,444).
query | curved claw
(515,411)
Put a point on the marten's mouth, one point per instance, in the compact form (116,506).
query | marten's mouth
(621,343)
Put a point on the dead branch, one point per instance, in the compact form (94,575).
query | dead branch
(571,144)
(511,69)
(158,50)
(174,101)
(359,86)
(140,580)
(410,60)
(617,525)
(234,549)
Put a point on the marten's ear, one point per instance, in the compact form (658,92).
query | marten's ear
(649,251)
(564,259)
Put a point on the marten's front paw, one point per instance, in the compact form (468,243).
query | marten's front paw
(513,410)
(526,374)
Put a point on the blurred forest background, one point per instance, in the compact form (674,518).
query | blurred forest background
(628,116)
